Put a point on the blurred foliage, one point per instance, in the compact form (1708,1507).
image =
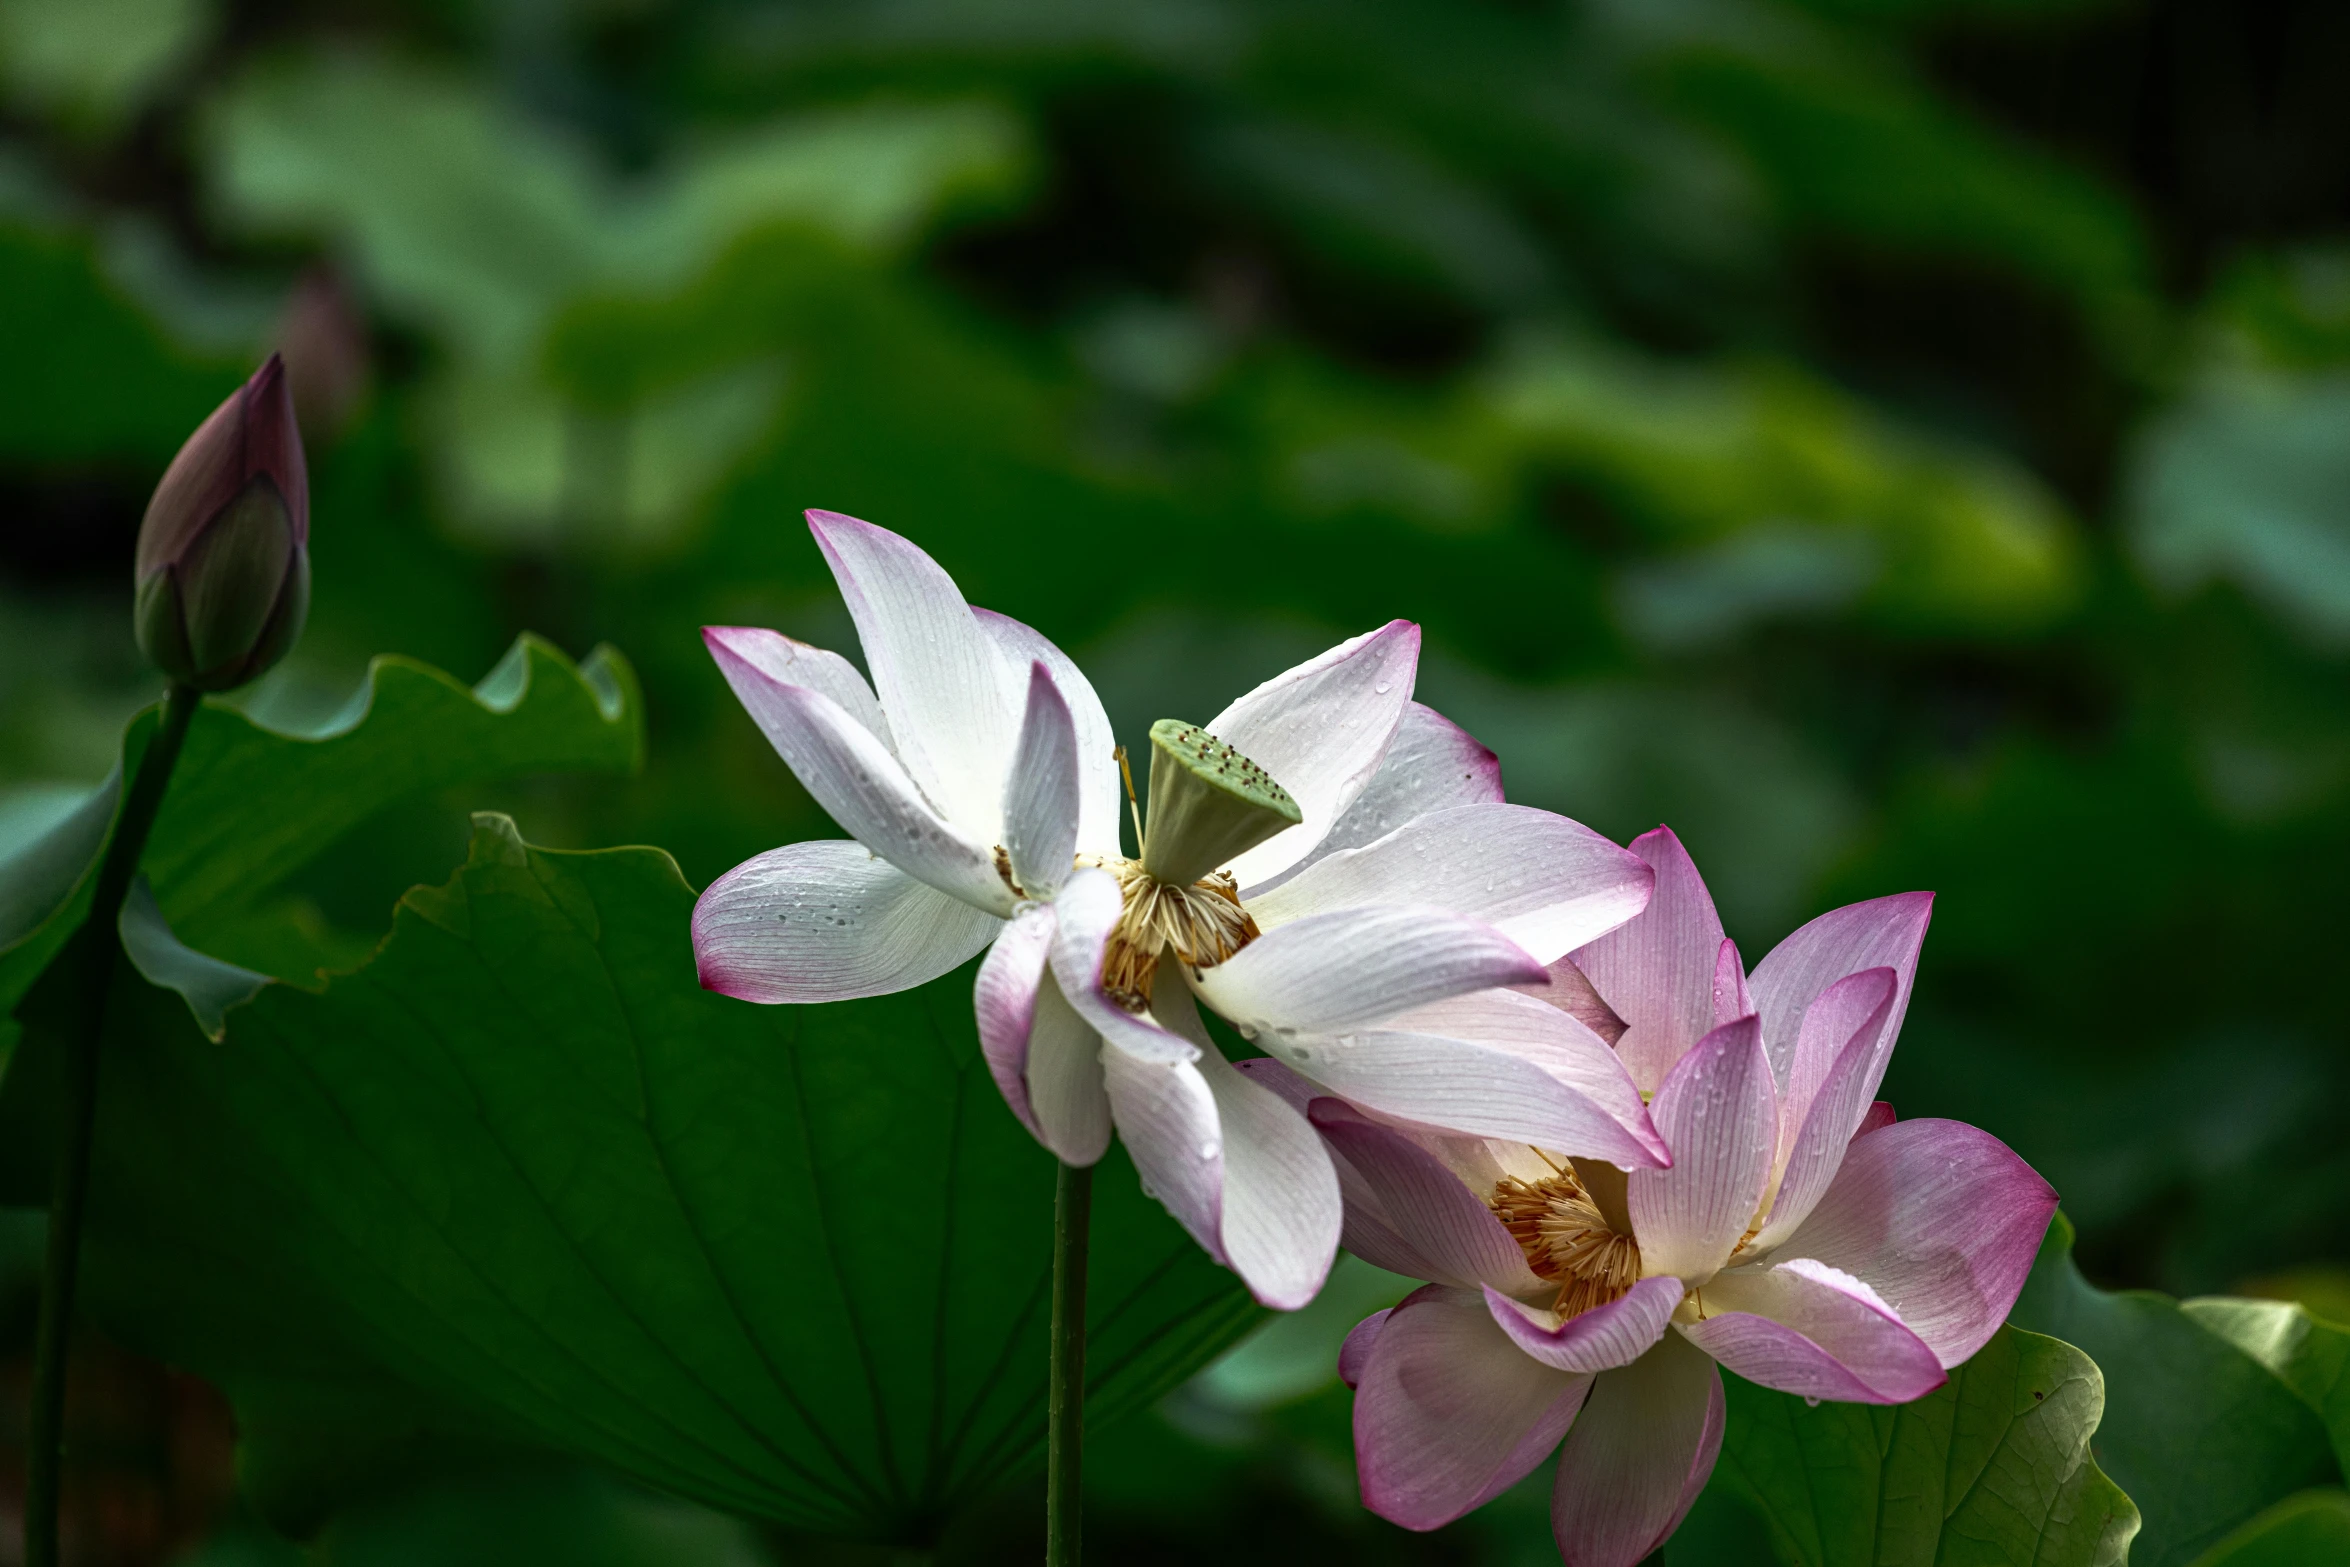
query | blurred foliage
(1900,442)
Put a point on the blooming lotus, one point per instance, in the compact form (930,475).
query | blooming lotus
(1802,1237)
(1326,864)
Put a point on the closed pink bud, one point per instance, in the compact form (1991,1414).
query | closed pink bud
(224,553)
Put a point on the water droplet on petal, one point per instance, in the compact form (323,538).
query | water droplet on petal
(1207,1150)
(1811,1403)
(1384,686)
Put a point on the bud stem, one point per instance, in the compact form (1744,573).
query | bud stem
(97,945)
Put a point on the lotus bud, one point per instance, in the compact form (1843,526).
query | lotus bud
(1209,803)
(224,551)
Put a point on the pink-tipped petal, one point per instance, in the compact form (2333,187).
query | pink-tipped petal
(1600,1339)
(1355,1353)
(1167,1114)
(1101,807)
(1879,1115)
(1812,1150)
(1941,1219)
(1452,1236)
(1881,933)
(828,921)
(1065,1081)
(1366,1229)
(1640,1452)
(1571,991)
(1449,1413)
(1294,1091)
(1432,764)
(1321,730)
(1547,883)
(1281,1209)
(1328,972)
(1085,911)
(1041,792)
(1732,1000)
(847,769)
(1803,1327)
(1657,971)
(1719,1115)
(1496,1063)
(951,704)
(1003,1001)
(754,659)
(1834,1023)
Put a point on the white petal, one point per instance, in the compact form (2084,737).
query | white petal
(1087,908)
(1064,1076)
(1101,803)
(1657,971)
(1547,883)
(828,921)
(1321,730)
(1719,1114)
(1328,972)
(1497,1063)
(1281,1213)
(949,698)
(846,769)
(1167,1114)
(753,659)
(1003,1002)
(1432,764)
(1041,793)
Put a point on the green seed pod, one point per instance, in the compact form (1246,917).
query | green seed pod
(1209,803)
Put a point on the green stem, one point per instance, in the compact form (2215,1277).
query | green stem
(1065,1393)
(98,944)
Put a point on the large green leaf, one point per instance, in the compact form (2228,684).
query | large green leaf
(521,1180)
(2301,1531)
(1993,1468)
(2310,1355)
(2196,1430)
(249,803)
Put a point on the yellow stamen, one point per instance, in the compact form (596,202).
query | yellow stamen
(1567,1240)
(1201,924)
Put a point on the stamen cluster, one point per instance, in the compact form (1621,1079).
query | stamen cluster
(1202,924)
(1567,1240)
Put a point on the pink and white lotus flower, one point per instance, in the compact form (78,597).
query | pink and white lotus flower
(1802,1237)
(1328,865)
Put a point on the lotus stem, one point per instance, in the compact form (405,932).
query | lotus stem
(100,944)
(1065,1393)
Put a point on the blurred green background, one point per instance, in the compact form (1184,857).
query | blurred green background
(1901,443)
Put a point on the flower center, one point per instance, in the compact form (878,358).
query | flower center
(1558,1223)
(1201,924)
(1209,804)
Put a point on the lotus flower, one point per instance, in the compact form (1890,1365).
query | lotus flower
(1801,1237)
(1327,864)
(223,566)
